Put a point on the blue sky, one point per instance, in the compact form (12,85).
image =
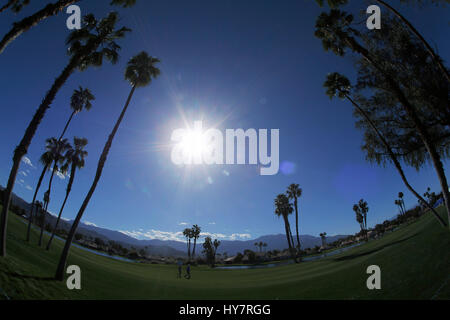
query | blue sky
(234,64)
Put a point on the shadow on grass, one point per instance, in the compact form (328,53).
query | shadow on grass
(357,255)
(21,276)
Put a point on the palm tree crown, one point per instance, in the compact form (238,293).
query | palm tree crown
(81,99)
(76,156)
(282,206)
(96,40)
(141,69)
(294,191)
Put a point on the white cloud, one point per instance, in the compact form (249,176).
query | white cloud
(27,161)
(183,224)
(238,236)
(155,234)
(29,188)
(212,223)
(60,175)
(210,180)
(225,172)
(89,223)
(23,173)
(178,236)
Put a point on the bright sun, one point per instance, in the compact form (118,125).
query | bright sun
(193,144)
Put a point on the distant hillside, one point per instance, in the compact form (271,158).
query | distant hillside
(178,248)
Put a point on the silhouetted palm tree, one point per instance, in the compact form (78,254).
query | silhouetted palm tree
(140,71)
(46,160)
(88,47)
(402,202)
(434,55)
(58,148)
(216,244)
(284,208)
(338,85)
(294,192)
(15,5)
(196,234)
(49,10)
(188,234)
(323,237)
(337,35)
(75,158)
(81,99)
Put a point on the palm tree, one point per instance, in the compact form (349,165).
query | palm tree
(284,208)
(140,71)
(337,35)
(216,244)
(49,10)
(88,47)
(188,234)
(58,148)
(196,234)
(75,158)
(15,5)
(359,217)
(402,202)
(434,55)
(397,202)
(294,192)
(338,85)
(81,99)
(323,237)
(46,160)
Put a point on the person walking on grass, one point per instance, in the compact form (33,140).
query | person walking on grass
(188,271)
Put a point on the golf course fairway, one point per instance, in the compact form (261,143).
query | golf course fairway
(414,262)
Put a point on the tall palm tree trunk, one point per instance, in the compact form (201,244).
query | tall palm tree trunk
(296,223)
(7,5)
(193,249)
(69,188)
(65,253)
(29,22)
(67,125)
(22,148)
(430,50)
(30,218)
(412,114)
(46,203)
(394,159)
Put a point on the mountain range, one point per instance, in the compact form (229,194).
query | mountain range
(172,247)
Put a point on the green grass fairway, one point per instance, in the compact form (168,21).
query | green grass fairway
(414,262)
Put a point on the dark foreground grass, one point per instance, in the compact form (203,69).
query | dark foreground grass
(414,262)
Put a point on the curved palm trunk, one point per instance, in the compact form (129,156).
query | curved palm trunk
(69,188)
(101,163)
(7,5)
(395,160)
(22,148)
(430,50)
(30,218)
(46,204)
(412,114)
(67,125)
(29,22)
